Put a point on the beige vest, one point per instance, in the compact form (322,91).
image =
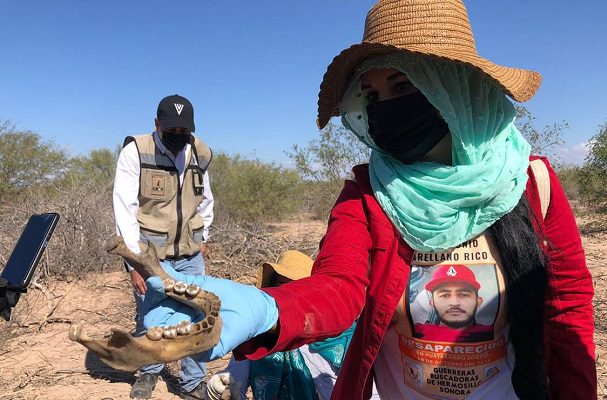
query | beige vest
(167,212)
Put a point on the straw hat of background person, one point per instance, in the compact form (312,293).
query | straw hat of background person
(291,264)
(438,28)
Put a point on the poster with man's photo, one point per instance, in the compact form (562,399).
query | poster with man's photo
(454,302)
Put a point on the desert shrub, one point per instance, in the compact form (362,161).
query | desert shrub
(79,189)
(320,197)
(249,195)
(593,176)
(86,221)
(27,160)
(324,164)
(98,165)
(569,176)
(545,141)
(237,248)
(249,189)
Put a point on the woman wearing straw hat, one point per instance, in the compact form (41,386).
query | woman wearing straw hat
(448,181)
(307,373)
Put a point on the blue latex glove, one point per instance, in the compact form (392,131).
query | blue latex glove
(166,311)
(245,310)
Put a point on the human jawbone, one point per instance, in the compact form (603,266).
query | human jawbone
(123,351)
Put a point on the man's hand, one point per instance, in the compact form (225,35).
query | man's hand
(138,282)
(203,249)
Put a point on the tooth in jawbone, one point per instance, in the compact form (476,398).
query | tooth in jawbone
(168,285)
(180,287)
(154,333)
(126,352)
(170,332)
(184,328)
(192,290)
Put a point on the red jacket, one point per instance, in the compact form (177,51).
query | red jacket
(362,270)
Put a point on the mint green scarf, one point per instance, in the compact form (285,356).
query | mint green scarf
(436,207)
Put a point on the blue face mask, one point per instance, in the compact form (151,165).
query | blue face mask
(175,142)
(406,127)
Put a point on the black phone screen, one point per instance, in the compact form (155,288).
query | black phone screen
(22,263)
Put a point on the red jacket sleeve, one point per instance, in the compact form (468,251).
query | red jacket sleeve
(328,302)
(570,347)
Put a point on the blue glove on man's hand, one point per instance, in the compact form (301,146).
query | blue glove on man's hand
(166,311)
(245,310)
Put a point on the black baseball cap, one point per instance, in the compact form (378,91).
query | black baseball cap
(175,112)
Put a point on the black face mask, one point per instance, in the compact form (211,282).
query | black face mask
(406,127)
(174,142)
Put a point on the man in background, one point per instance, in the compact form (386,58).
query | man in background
(162,196)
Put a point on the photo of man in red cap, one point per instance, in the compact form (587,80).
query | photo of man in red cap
(455,300)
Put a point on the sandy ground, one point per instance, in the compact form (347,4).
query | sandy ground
(38,361)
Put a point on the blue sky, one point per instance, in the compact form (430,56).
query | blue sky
(85,74)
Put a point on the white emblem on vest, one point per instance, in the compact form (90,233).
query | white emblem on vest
(179,108)
(451,271)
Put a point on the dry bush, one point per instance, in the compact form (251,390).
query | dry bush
(76,247)
(591,220)
(250,189)
(236,249)
(569,175)
(320,197)
(86,221)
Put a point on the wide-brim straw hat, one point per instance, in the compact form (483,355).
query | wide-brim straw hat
(438,28)
(291,264)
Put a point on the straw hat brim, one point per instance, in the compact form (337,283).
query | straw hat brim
(292,264)
(519,84)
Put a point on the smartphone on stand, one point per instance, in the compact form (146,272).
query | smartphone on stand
(22,263)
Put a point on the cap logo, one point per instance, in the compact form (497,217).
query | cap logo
(451,271)
(179,108)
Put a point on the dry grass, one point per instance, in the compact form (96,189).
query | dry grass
(594,235)
(236,249)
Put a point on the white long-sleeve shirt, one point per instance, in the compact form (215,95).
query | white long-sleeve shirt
(126,191)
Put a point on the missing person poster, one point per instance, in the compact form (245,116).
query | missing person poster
(454,341)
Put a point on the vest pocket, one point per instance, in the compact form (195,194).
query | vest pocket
(157,185)
(195,228)
(153,231)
